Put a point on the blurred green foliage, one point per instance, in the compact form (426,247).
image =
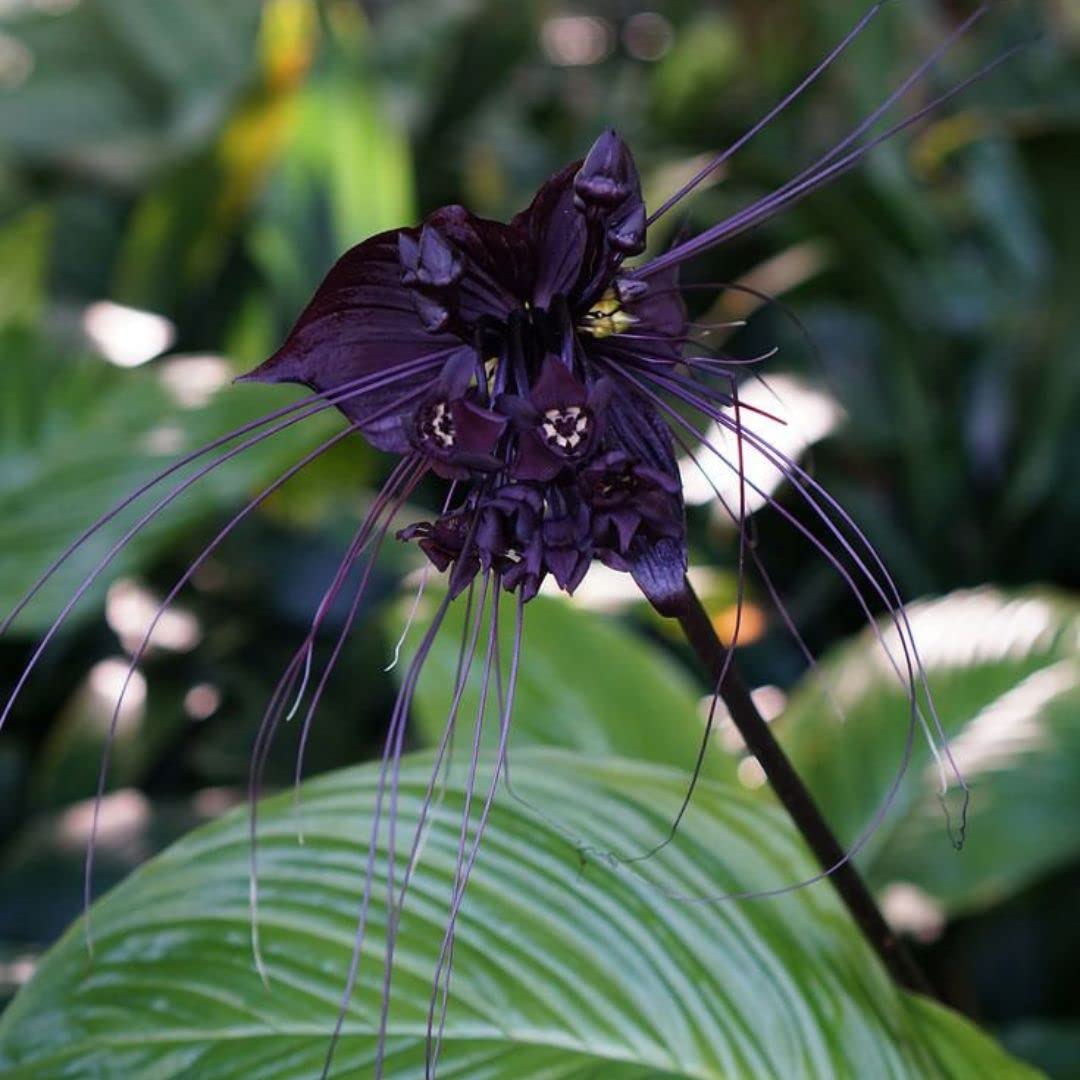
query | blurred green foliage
(207,162)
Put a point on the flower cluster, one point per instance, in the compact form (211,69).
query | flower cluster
(531,409)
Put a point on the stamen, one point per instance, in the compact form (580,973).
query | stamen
(606,317)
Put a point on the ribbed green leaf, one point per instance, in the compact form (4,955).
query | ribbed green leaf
(565,966)
(1005,677)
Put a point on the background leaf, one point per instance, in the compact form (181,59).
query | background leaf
(1004,673)
(134,100)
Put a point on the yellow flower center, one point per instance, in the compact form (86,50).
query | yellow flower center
(606,317)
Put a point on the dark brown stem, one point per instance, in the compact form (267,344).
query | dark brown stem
(797,800)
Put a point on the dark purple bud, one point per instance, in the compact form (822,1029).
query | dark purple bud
(567,547)
(434,314)
(628,289)
(444,542)
(521,508)
(526,575)
(607,176)
(602,190)
(609,480)
(432,262)
(627,234)
(430,267)
(491,538)
(409,255)
(623,501)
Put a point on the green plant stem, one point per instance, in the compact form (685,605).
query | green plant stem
(797,800)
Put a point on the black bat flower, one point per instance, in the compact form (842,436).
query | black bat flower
(547,376)
(517,349)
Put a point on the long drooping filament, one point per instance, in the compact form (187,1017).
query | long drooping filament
(368,538)
(298,410)
(885,591)
(825,169)
(301,414)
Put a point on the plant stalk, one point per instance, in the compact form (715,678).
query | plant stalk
(797,800)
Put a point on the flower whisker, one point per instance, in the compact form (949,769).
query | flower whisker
(923,711)
(768,118)
(811,179)
(305,408)
(368,535)
(388,774)
(876,819)
(152,513)
(140,651)
(418,469)
(462,877)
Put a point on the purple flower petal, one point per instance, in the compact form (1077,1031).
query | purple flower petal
(360,324)
(556,388)
(534,460)
(558,235)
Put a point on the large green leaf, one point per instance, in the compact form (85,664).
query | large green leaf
(586,683)
(564,967)
(1005,677)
